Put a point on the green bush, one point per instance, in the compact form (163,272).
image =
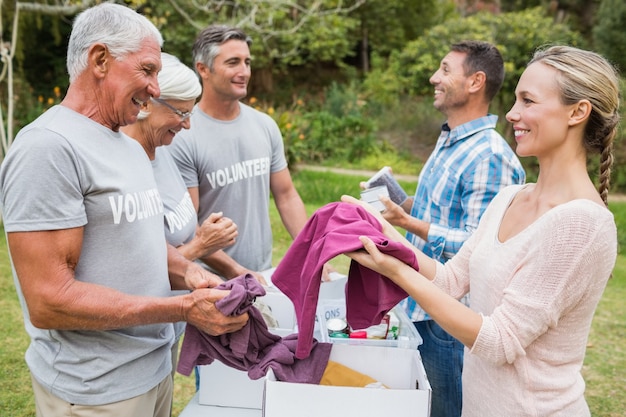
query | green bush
(608,33)
(337,129)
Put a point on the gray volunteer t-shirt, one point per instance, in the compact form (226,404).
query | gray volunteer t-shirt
(230,162)
(180,215)
(64,171)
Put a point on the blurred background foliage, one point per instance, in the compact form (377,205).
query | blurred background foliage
(346,80)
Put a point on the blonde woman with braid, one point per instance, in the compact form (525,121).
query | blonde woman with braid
(540,259)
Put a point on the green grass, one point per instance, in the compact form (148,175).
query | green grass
(619,211)
(603,369)
(605,361)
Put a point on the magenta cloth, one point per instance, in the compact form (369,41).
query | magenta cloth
(253,348)
(332,230)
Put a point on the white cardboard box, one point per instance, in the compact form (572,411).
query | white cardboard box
(401,370)
(223,386)
(195,409)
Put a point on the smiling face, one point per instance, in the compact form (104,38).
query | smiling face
(230,74)
(540,120)
(163,123)
(127,84)
(451,83)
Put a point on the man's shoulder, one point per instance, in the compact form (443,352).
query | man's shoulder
(484,131)
(249,111)
(54,119)
(486,144)
(60,125)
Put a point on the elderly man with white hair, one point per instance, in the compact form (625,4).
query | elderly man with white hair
(84,224)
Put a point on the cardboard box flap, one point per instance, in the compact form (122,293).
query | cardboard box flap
(401,370)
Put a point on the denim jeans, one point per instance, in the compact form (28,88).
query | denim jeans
(196,372)
(442,356)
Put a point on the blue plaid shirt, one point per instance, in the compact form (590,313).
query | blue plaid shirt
(467,168)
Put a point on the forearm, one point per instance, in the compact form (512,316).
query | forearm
(223,264)
(453,316)
(416,226)
(177,265)
(427,265)
(292,213)
(92,307)
(192,250)
(85,306)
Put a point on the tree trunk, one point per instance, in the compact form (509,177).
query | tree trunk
(365,57)
(262,81)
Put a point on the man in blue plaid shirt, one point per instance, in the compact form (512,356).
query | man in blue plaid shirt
(471,162)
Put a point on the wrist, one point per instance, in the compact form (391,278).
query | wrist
(187,302)
(191,250)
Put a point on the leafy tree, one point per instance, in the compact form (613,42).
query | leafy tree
(578,14)
(517,5)
(608,34)
(387,25)
(286,34)
(13,46)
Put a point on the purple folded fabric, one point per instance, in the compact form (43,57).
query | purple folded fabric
(332,230)
(253,348)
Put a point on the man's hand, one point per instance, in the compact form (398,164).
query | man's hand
(393,212)
(198,277)
(200,311)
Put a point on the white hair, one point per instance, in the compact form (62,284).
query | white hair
(118,27)
(176,81)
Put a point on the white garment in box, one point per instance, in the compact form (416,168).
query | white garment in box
(401,370)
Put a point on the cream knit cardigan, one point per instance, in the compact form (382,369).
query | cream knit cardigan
(537,293)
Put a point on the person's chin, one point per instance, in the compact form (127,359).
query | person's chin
(129,121)
(241,93)
(167,139)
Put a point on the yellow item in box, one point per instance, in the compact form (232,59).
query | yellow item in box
(338,375)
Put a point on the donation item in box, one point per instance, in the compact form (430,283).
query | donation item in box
(221,385)
(407,391)
(396,330)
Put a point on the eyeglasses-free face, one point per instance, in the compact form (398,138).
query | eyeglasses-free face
(183,115)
